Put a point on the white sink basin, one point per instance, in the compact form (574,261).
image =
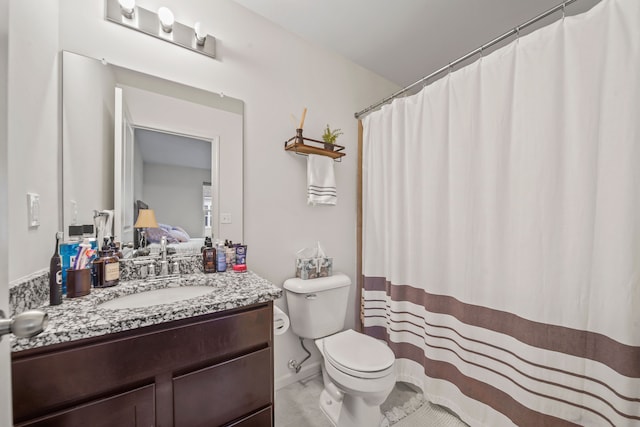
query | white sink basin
(155,297)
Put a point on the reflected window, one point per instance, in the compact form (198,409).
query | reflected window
(206,206)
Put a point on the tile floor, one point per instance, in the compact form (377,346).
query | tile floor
(297,404)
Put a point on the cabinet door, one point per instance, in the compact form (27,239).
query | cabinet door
(222,393)
(263,418)
(135,408)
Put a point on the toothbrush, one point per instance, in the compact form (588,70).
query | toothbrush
(87,257)
(76,261)
(81,255)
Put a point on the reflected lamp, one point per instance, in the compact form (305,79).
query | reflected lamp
(146,219)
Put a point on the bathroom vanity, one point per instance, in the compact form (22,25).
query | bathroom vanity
(201,361)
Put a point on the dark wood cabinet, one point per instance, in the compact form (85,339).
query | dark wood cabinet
(131,409)
(259,419)
(211,370)
(218,394)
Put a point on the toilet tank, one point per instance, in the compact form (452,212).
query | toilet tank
(317,307)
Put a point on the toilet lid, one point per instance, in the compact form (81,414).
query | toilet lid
(353,352)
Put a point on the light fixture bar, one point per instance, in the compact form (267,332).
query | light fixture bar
(148,22)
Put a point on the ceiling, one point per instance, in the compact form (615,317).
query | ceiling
(404,40)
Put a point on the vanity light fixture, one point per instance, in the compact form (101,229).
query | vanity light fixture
(166,19)
(200,34)
(127,8)
(161,25)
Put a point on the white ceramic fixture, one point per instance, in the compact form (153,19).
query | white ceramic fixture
(156,297)
(358,370)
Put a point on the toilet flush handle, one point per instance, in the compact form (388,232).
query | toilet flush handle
(311,296)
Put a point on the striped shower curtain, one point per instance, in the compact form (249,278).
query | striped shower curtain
(501,228)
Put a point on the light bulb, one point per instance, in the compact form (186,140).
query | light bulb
(200,34)
(127,7)
(166,19)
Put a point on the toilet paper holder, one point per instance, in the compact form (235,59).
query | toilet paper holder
(281,321)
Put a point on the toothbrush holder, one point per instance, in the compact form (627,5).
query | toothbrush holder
(78,282)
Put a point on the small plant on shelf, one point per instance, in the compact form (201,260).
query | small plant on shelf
(329,136)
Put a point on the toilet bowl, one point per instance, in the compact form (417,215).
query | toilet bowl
(357,370)
(358,374)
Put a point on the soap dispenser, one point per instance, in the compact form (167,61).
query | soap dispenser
(106,268)
(111,276)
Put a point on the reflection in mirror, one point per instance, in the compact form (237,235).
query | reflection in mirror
(130,138)
(173,173)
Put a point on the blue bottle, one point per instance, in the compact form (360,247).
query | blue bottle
(221,258)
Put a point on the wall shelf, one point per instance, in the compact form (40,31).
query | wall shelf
(305,146)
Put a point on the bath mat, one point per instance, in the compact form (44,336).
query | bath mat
(396,414)
(418,412)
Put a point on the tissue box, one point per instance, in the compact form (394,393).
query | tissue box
(312,268)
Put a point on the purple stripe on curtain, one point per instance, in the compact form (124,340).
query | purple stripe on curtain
(622,358)
(430,328)
(475,389)
(395,326)
(375,283)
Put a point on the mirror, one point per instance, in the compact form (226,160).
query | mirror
(133,140)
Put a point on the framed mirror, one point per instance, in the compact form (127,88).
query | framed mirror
(133,140)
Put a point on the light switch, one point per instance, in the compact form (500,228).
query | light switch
(33,209)
(74,211)
(225,218)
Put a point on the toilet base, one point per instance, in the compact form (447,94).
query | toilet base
(351,412)
(330,407)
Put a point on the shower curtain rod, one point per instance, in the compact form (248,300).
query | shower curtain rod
(513,31)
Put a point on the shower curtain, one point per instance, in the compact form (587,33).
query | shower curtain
(501,228)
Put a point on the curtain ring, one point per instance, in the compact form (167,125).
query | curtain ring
(564,5)
(450,68)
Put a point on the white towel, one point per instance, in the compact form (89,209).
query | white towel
(321,181)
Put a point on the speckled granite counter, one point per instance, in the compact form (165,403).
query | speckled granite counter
(79,318)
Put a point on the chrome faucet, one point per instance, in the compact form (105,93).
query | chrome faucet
(164,265)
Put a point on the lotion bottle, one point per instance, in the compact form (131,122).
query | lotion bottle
(106,268)
(111,272)
(221,264)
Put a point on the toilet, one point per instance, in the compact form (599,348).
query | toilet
(357,370)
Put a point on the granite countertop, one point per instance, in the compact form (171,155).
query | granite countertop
(78,318)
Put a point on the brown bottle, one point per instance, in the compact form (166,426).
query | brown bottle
(106,269)
(97,271)
(209,259)
(111,269)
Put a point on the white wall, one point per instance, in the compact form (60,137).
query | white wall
(275,73)
(33,132)
(5,360)
(175,194)
(87,119)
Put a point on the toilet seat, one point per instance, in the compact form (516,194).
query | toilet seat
(358,355)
